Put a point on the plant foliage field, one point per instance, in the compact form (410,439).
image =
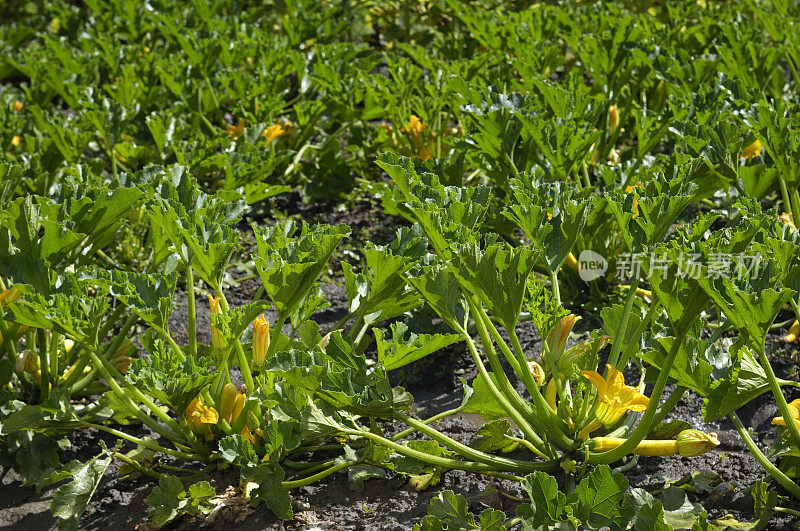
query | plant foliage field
(632,164)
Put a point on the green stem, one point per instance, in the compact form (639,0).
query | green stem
(44,377)
(442,462)
(616,346)
(783,407)
(463,450)
(289,485)
(144,470)
(509,392)
(405,433)
(771,469)
(192,312)
(785,510)
(146,443)
(556,290)
(172,429)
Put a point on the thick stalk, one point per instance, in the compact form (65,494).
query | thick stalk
(191,311)
(616,346)
(783,407)
(771,469)
(172,430)
(316,477)
(146,443)
(463,450)
(646,421)
(511,401)
(545,414)
(44,377)
(501,399)
(442,462)
(244,365)
(405,433)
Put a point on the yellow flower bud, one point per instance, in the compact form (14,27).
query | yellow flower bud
(260,339)
(692,443)
(16,140)
(8,296)
(613,119)
(238,404)
(794,410)
(17,105)
(199,417)
(227,402)
(557,338)
(216,337)
(537,372)
(794,331)
(753,150)
(27,361)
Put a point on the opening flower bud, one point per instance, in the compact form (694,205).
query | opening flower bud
(27,361)
(537,372)
(260,339)
(199,417)
(216,336)
(692,443)
(613,119)
(557,338)
(753,150)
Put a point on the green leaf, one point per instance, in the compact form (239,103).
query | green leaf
(70,500)
(200,226)
(495,435)
(547,505)
(173,379)
(289,265)
(166,499)
(691,369)
(269,489)
(744,380)
(599,498)
(482,402)
(402,349)
(237,450)
(452,510)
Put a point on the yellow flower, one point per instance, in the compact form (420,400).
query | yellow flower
(235,130)
(415,127)
(557,338)
(614,398)
(17,105)
(613,118)
(272,133)
(794,409)
(538,373)
(753,150)
(635,210)
(788,219)
(216,337)
(260,339)
(692,443)
(8,296)
(794,331)
(15,140)
(199,417)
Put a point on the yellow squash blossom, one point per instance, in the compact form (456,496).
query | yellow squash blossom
(235,130)
(260,339)
(272,133)
(794,331)
(794,409)
(415,127)
(216,336)
(613,118)
(753,150)
(200,417)
(17,105)
(788,219)
(557,338)
(16,140)
(614,398)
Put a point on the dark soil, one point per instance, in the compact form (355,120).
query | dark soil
(391,503)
